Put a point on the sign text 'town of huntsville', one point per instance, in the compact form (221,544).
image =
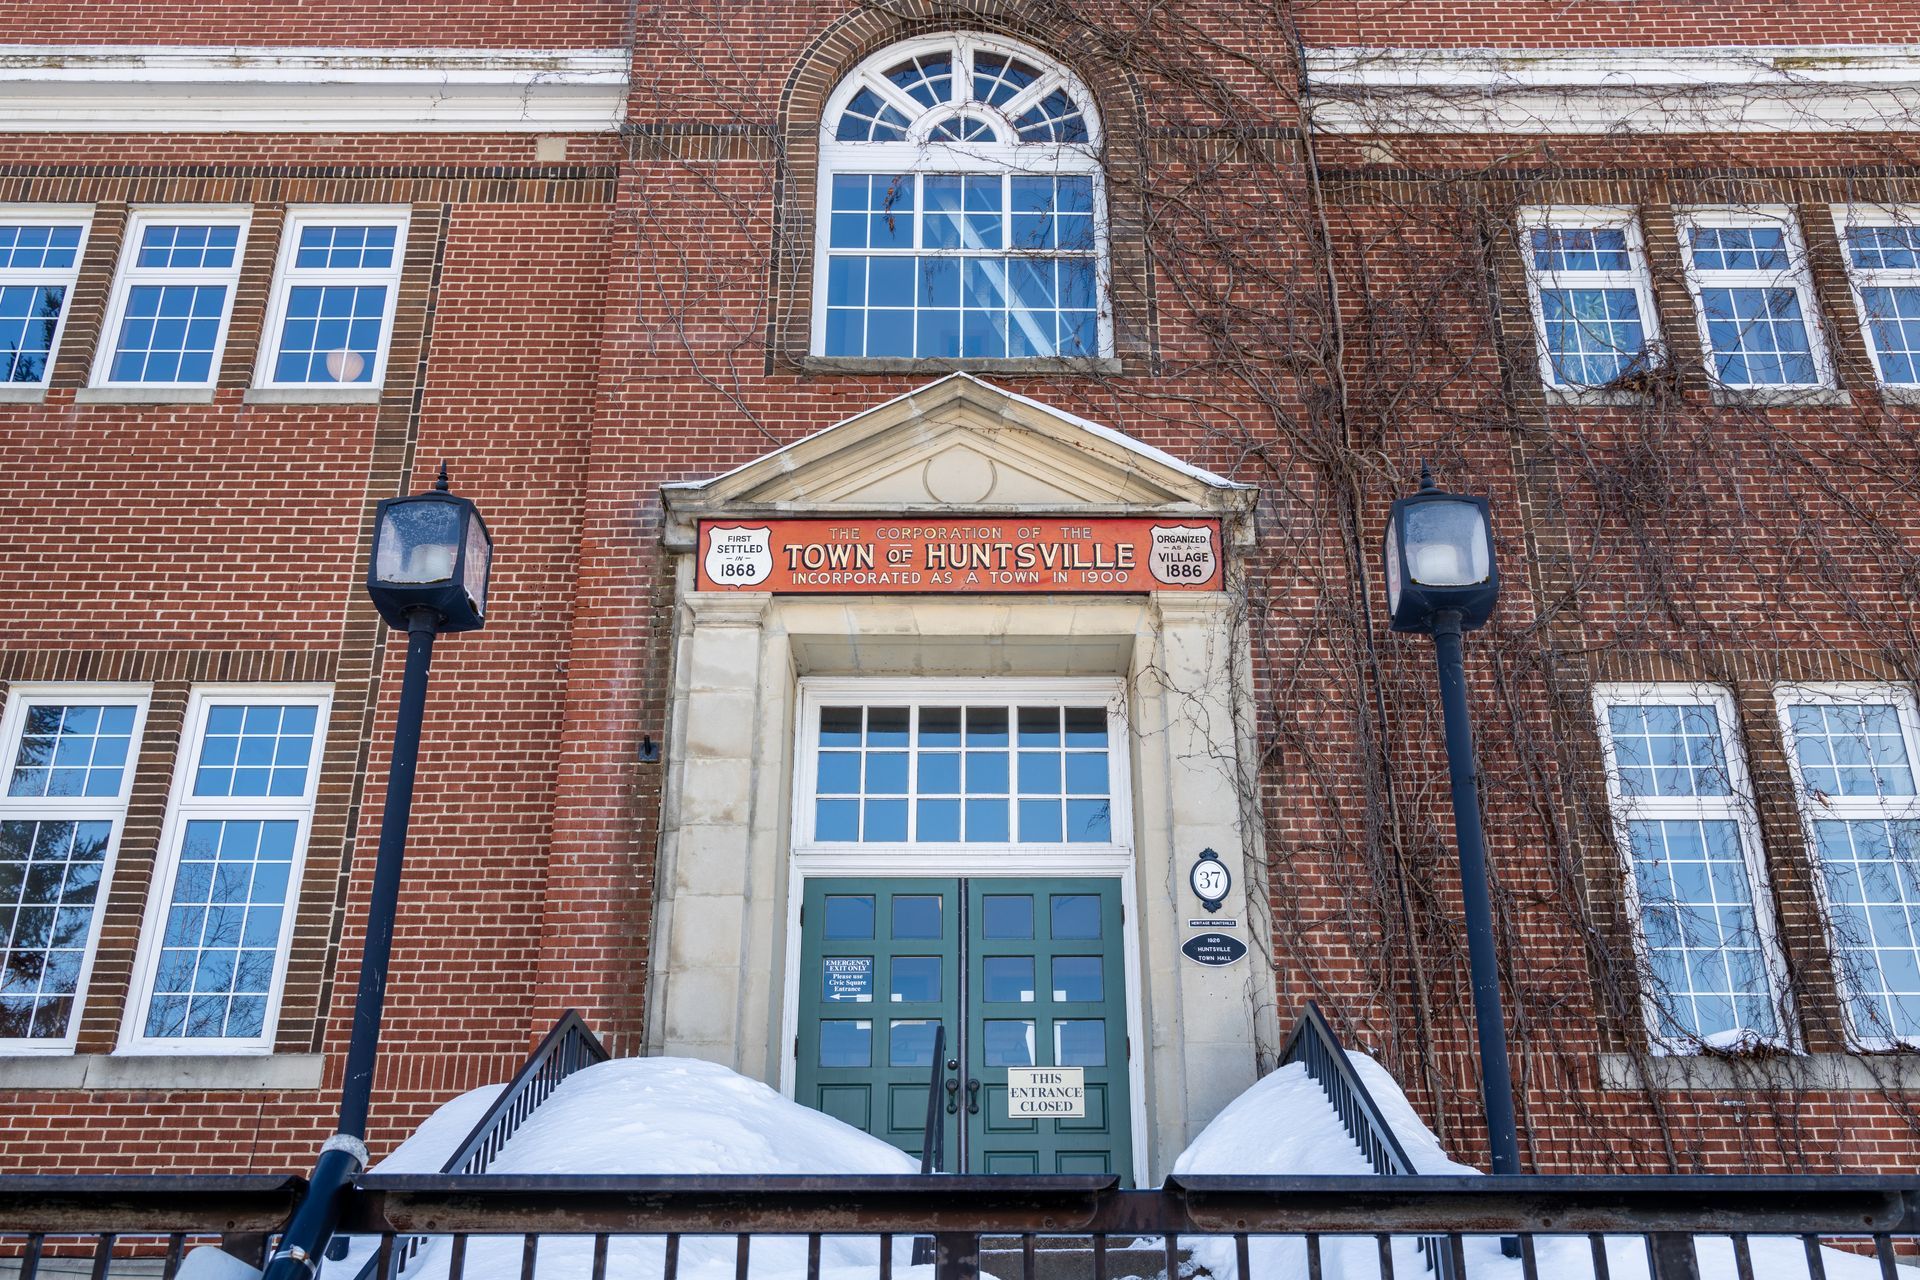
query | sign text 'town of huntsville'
(1042,553)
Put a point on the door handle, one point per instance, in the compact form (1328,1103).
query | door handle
(973,1096)
(953,1094)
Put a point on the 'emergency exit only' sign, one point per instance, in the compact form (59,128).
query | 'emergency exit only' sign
(1038,1092)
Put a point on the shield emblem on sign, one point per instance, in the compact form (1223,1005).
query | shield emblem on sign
(1182,555)
(738,556)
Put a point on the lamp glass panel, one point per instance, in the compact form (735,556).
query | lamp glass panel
(1393,565)
(418,542)
(479,552)
(1446,544)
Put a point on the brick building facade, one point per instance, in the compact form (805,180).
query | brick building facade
(1643,277)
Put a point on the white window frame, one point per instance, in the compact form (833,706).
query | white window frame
(1737,807)
(286,275)
(58,215)
(129,274)
(1798,275)
(1859,279)
(816,694)
(1637,277)
(1789,695)
(113,809)
(918,154)
(182,807)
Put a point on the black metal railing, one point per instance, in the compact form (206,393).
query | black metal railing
(1314,1045)
(564,1050)
(507,1227)
(933,1138)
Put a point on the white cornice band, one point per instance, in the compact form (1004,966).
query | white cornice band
(180,89)
(1756,89)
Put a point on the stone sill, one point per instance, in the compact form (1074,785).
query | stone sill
(1037,365)
(162,1072)
(143,395)
(1848,1072)
(23,393)
(1779,397)
(1587,397)
(312,395)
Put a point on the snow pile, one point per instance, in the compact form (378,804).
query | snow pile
(655,1116)
(681,1116)
(429,1147)
(1284,1125)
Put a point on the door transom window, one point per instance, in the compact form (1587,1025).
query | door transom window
(969,771)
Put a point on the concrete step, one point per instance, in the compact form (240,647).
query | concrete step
(1069,1259)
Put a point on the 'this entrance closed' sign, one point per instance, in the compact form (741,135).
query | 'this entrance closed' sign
(978,554)
(1041,1092)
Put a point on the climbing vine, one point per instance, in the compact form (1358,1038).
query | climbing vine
(1321,313)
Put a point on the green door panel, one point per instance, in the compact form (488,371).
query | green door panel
(1020,971)
(1046,986)
(879,969)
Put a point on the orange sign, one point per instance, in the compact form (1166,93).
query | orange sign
(971,554)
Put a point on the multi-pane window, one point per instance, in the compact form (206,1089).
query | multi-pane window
(69,755)
(969,772)
(1593,303)
(333,298)
(1748,273)
(167,323)
(1882,251)
(961,210)
(1695,876)
(39,259)
(1853,749)
(962,265)
(214,954)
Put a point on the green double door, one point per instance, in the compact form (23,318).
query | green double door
(1022,972)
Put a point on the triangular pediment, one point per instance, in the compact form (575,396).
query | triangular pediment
(960,444)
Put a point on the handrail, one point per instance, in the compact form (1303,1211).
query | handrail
(1314,1045)
(570,1046)
(933,1139)
(1559,1222)
(567,1048)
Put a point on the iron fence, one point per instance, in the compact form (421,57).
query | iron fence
(502,1227)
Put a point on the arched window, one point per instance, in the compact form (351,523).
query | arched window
(961,210)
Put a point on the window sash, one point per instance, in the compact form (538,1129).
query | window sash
(1795,276)
(1060,316)
(1544,280)
(1007,694)
(1007,213)
(111,809)
(289,275)
(132,275)
(1855,810)
(1734,810)
(63,278)
(1849,218)
(186,809)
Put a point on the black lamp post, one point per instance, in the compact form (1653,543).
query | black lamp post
(1442,581)
(428,574)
